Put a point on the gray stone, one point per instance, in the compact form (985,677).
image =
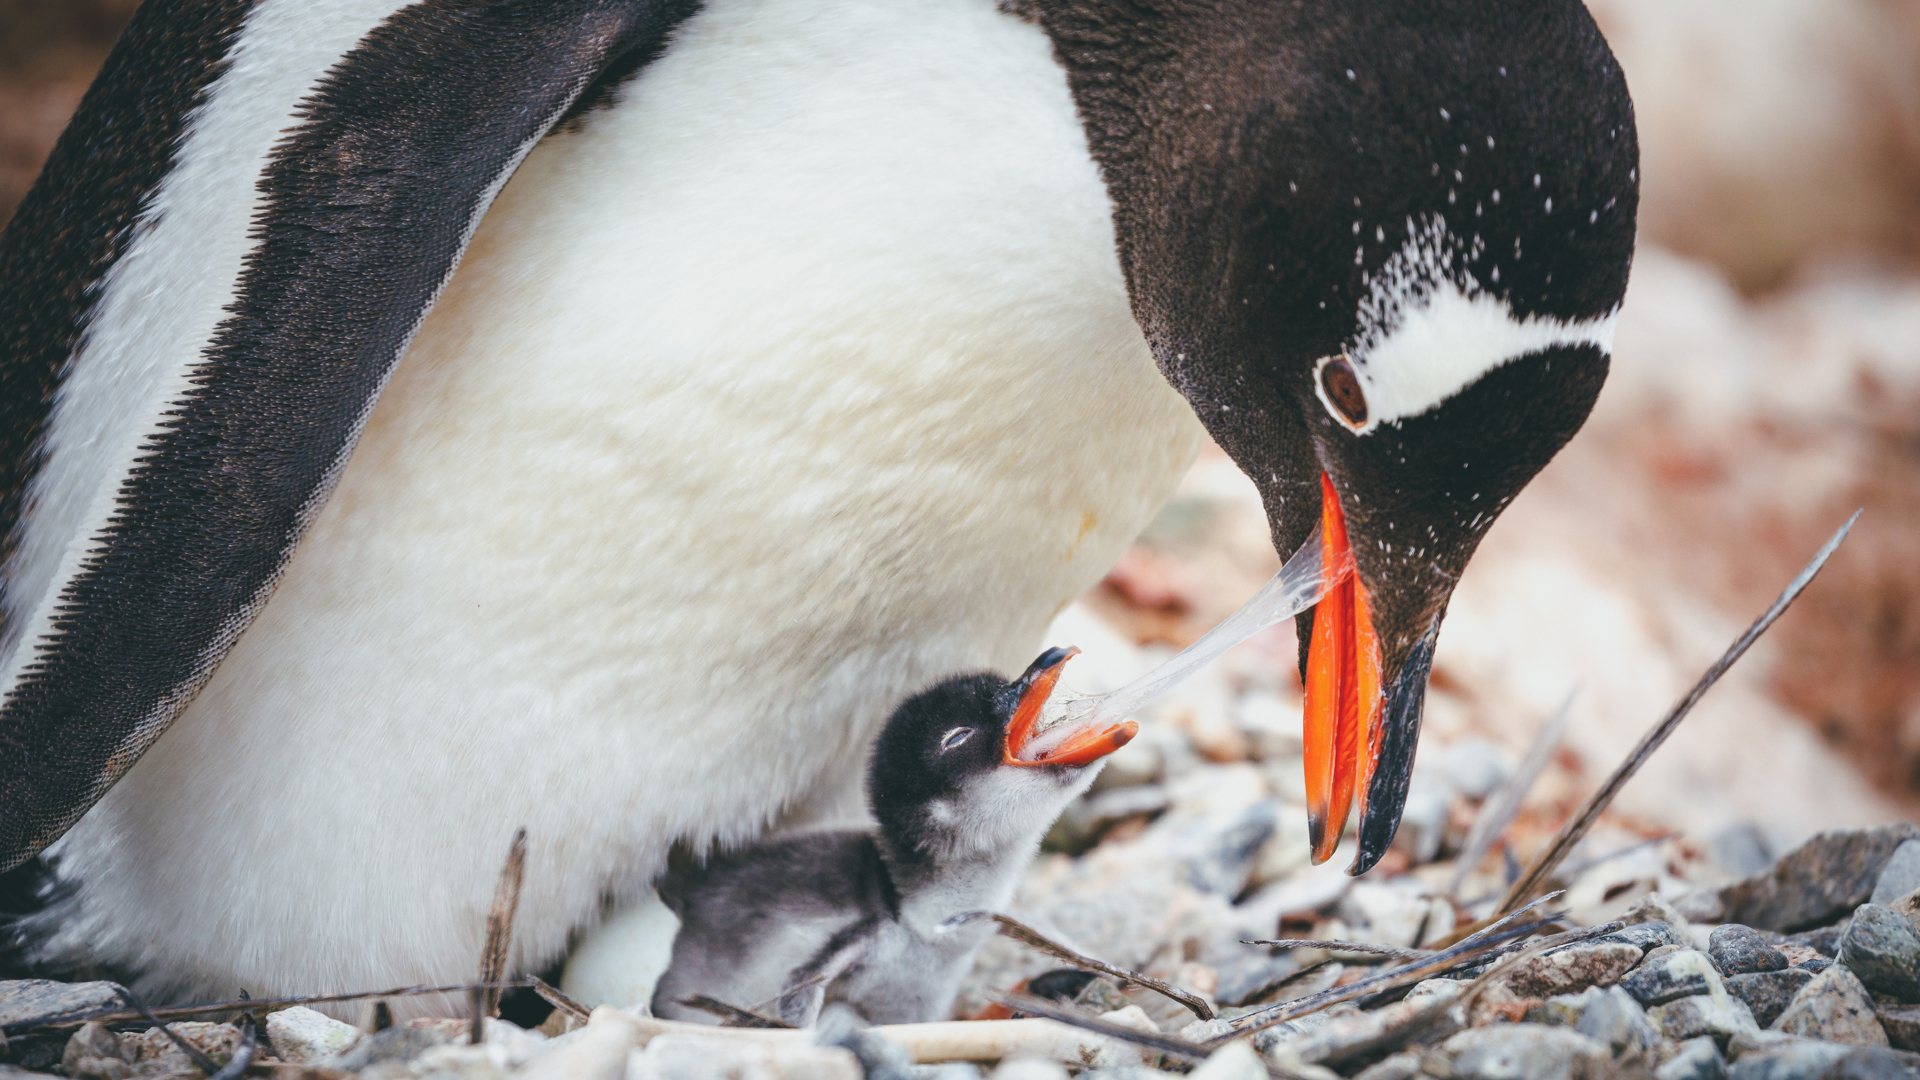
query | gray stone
(301,1035)
(1525,1052)
(1900,877)
(1768,993)
(1902,1025)
(1613,1018)
(94,1053)
(1713,1014)
(1234,1061)
(1698,1059)
(1648,936)
(1665,976)
(1220,848)
(1564,971)
(396,1044)
(1401,1066)
(1834,1007)
(1883,949)
(1822,1061)
(1563,1010)
(1741,850)
(1741,950)
(25,1000)
(1654,908)
(1824,940)
(1817,882)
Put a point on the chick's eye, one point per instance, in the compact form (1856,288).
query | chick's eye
(954,738)
(1343,392)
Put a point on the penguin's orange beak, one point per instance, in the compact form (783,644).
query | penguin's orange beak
(1341,726)
(1079,747)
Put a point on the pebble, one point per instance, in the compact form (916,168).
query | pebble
(94,1053)
(1568,970)
(1525,1052)
(1402,1066)
(1615,1020)
(1824,940)
(1652,909)
(1820,1061)
(1647,936)
(1740,950)
(698,1057)
(1767,993)
(301,1035)
(1698,1059)
(1834,1007)
(1883,949)
(22,1000)
(1668,975)
(1029,1068)
(1817,882)
(1902,1025)
(398,1044)
(1234,1061)
(1219,849)
(1900,877)
(1706,1014)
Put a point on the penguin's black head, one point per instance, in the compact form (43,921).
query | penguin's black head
(1379,247)
(958,767)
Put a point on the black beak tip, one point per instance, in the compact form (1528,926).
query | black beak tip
(1049,660)
(1399,738)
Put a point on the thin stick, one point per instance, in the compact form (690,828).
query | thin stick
(1264,992)
(1576,827)
(1367,1051)
(1498,812)
(1051,1010)
(558,1000)
(733,1014)
(194,1054)
(1343,946)
(182,1012)
(493,958)
(1027,935)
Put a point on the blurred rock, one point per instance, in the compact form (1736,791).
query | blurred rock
(1086,819)
(1216,853)
(1901,875)
(1568,970)
(700,1057)
(1698,1059)
(1883,949)
(1525,1052)
(1738,950)
(1819,881)
(1767,993)
(301,1035)
(1401,1066)
(396,1044)
(1654,909)
(1834,1007)
(1234,1061)
(23,1000)
(1740,850)
(1612,1017)
(1713,1014)
(1902,1025)
(1647,936)
(152,1053)
(94,1053)
(1825,940)
(1028,1068)
(1669,975)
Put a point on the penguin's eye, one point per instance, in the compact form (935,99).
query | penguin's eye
(1340,388)
(954,738)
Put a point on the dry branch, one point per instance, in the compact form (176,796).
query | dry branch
(1576,827)
(1027,935)
(493,957)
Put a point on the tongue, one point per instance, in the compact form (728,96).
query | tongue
(1343,687)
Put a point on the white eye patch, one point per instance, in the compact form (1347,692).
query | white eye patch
(956,737)
(1424,338)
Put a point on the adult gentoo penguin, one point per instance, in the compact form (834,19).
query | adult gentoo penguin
(426,418)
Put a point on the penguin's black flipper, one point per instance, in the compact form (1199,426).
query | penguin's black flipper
(365,206)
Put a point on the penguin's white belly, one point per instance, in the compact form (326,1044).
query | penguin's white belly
(802,376)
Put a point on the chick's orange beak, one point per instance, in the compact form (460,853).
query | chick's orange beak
(1340,728)
(1082,747)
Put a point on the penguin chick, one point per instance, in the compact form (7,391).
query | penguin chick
(962,789)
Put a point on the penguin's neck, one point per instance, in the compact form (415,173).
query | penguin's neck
(935,886)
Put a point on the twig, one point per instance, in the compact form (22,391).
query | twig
(182,1012)
(1473,948)
(1262,993)
(558,1000)
(1025,934)
(200,1060)
(1576,827)
(1498,812)
(493,958)
(1343,946)
(1367,1051)
(734,1014)
(1169,1045)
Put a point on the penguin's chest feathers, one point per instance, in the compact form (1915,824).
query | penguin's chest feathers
(796,376)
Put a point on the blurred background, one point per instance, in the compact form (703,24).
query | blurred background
(1766,383)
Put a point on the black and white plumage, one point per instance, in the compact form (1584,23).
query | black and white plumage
(856,916)
(441,417)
